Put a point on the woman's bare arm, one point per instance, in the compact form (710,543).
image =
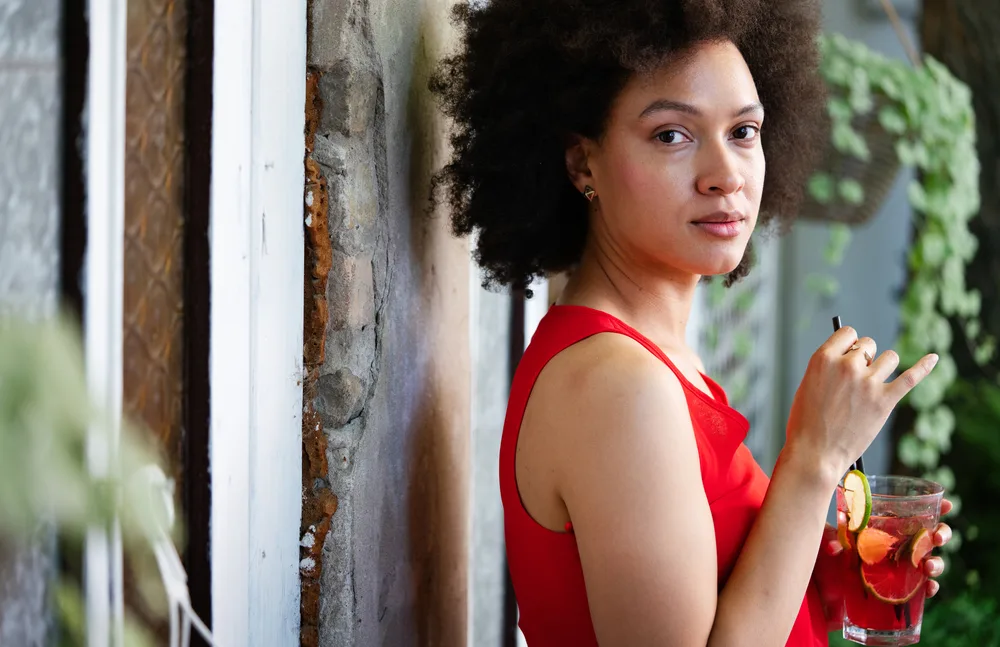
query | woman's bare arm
(629,475)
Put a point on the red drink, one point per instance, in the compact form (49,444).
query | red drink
(885,585)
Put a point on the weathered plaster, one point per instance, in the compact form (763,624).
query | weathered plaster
(391,393)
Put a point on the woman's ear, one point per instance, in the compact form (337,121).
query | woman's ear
(578,150)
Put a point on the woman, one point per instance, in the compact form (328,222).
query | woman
(625,142)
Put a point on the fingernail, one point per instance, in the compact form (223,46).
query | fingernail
(934,359)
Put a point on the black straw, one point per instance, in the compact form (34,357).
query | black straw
(860,463)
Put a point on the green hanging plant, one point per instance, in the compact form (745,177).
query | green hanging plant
(926,114)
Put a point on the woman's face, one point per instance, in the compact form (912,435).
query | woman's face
(680,168)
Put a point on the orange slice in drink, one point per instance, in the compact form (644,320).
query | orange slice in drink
(874,545)
(892,582)
(844,537)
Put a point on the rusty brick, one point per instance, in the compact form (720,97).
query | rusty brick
(314,446)
(319,260)
(318,503)
(314,108)
(310,635)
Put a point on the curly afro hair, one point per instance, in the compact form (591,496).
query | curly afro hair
(531,73)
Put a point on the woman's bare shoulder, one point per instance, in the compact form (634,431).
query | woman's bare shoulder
(606,377)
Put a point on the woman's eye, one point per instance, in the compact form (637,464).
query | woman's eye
(670,137)
(746,133)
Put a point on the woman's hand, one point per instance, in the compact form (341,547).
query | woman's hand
(844,400)
(829,575)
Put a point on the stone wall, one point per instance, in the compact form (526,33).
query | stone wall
(385,529)
(30,111)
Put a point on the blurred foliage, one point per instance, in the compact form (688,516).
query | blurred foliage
(977,450)
(47,427)
(957,408)
(929,113)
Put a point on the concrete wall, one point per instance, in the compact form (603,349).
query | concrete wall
(29,200)
(873,272)
(386,522)
(491,386)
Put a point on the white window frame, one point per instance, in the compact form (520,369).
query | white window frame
(104,281)
(257,265)
(256,329)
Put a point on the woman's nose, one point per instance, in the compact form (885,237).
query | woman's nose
(719,173)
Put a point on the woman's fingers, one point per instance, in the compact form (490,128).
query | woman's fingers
(932,588)
(884,365)
(946,506)
(933,566)
(865,349)
(840,341)
(942,534)
(912,377)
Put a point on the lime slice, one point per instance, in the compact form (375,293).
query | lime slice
(858,497)
(921,544)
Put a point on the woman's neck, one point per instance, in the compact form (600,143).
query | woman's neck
(655,302)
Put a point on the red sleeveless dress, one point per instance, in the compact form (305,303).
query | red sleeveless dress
(545,565)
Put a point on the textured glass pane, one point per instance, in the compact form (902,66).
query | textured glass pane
(154,222)
(154,243)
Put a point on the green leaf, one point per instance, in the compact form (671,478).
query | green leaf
(917,195)
(839,110)
(985,351)
(712,338)
(909,450)
(942,475)
(904,151)
(851,191)
(972,304)
(744,300)
(836,246)
(892,119)
(952,283)
(824,286)
(742,344)
(929,455)
(972,328)
(821,188)
(848,141)
(933,249)
(716,293)
(935,427)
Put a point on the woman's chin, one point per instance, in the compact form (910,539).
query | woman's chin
(719,268)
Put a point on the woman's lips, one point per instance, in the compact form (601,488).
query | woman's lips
(725,229)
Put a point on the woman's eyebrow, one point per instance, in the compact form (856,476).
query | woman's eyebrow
(661,105)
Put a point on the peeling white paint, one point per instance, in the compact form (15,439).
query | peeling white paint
(307,564)
(308,540)
(256,449)
(309,199)
(309,218)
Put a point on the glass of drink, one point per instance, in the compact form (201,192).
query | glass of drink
(885,586)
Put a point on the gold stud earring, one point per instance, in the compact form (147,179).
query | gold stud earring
(589,193)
